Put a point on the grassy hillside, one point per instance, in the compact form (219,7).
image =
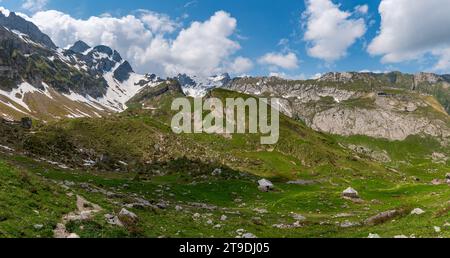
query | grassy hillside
(133,160)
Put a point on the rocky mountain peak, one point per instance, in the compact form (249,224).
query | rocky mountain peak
(16,23)
(122,73)
(79,47)
(104,49)
(196,86)
(427,77)
(337,77)
(185,80)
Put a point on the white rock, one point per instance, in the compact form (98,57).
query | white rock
(350,193)
(437,229)
(73,235)
(373,236)
(260,210)
(38,226)
(298,217)
(400,236)
(113,220)
(265,185)
(223,217)
(248,235)
(125,214)
(349,224)
(417,211)
(217,172)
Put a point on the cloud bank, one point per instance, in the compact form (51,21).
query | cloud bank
(329,30)
(411,29)
(147,40)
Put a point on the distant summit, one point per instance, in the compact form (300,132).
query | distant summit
(197,87)
(17,23)
(79,47)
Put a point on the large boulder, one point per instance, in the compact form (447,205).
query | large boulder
(265,185)
(417,211)
(127,217)
(26,123)
(382,217)
(350,193)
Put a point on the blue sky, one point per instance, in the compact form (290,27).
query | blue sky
(263,27)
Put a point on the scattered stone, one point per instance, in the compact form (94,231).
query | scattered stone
(248,235)
(217,172)
(240,231)
(343,215)
(73,235)
(437,229)
(265,185)
(373,236)
(302,182)
(217,226)
(127,217)
(296,224)
(260,210)
(113,220)
(439,157)
(223,218)
(203,206)
(298,217)
(178,208)
(350,193)
(400,236)
(382,217)
(162,205)
(257,221)
(38,226)
(209,222)
(417,211)
(348,224)
(85,210)
(437,182)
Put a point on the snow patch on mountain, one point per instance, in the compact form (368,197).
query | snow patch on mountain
(194,86)
(18,94)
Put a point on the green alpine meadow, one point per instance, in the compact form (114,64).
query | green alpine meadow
(88,146)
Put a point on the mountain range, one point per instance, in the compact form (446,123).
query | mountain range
(359,154)
(45,82)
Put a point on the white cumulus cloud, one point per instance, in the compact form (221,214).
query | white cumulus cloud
(34,5)
(411,29)
(154,42)
(240,65)
(286,61)
(329,30)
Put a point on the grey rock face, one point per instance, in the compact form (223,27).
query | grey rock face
(339,109)
(265,185)
(79,47)
(122,73)
(15,22)
(376,123)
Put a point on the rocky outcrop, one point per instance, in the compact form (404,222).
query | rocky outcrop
(349,104)
(15,22)
(377,123)
(122,73)
(79,47)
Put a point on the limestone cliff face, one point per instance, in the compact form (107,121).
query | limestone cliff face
(341,108)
